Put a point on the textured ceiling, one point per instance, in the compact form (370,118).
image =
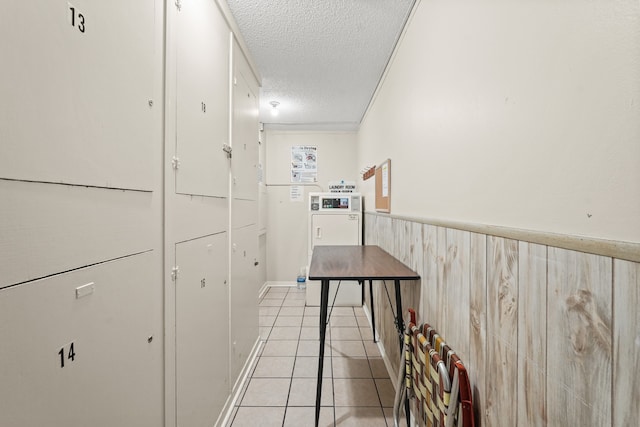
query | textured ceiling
(320,59)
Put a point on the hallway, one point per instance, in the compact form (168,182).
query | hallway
(357,390)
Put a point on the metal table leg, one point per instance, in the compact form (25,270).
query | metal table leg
(399,319)
(324,302)
(373,315)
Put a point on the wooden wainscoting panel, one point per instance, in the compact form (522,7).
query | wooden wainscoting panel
(370,226)
(456,286)
(385,233)
(379,302)
(626,335)
(398,240)
(532,334)
(409,251)
(388,333)
(401,231)
(442,310)
(416,263)
(430,276)
(387,295)
(371,237)
(476,362)
(502,331)
(579,337)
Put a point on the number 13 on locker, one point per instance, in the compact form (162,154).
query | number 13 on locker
(76,19)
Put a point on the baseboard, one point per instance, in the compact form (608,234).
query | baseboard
(227,412)
(277,283)
(263,289)
(383,353)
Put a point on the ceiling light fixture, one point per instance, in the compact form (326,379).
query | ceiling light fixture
(274,108)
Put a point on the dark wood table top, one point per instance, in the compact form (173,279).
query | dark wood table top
(357,263)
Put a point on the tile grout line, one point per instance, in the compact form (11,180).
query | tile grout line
(333,385)
(293,368)
(332,341)
(251,377)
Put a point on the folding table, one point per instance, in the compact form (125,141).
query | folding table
(354,263)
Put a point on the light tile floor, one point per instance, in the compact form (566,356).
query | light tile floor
(356,390)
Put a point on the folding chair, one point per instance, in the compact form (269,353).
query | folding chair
(434,377)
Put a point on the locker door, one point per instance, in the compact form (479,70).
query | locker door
(76,85)
(202,330)
(202,122)
(338,229)
(245,141)
(244,297)
(84,348)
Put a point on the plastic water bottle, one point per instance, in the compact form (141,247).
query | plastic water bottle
(302,279)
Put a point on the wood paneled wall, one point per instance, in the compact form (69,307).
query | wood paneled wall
(550,336)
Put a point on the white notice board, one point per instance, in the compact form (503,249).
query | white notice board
(304,163)
(383,187)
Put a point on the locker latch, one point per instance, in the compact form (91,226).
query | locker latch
(227,149)
(174,273)
(178,5)
(175,162)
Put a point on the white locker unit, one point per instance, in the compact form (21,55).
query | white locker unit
(334,219)
(206,116)
(243,297)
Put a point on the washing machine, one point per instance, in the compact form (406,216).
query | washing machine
(334,219)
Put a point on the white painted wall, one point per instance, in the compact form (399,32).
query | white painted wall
(521,114)
(286,220)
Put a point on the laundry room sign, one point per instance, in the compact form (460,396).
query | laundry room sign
(342,186)
(304,163)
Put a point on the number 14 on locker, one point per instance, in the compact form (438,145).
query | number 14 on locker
(67,354)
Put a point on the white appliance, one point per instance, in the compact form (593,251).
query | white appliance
(334,219)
